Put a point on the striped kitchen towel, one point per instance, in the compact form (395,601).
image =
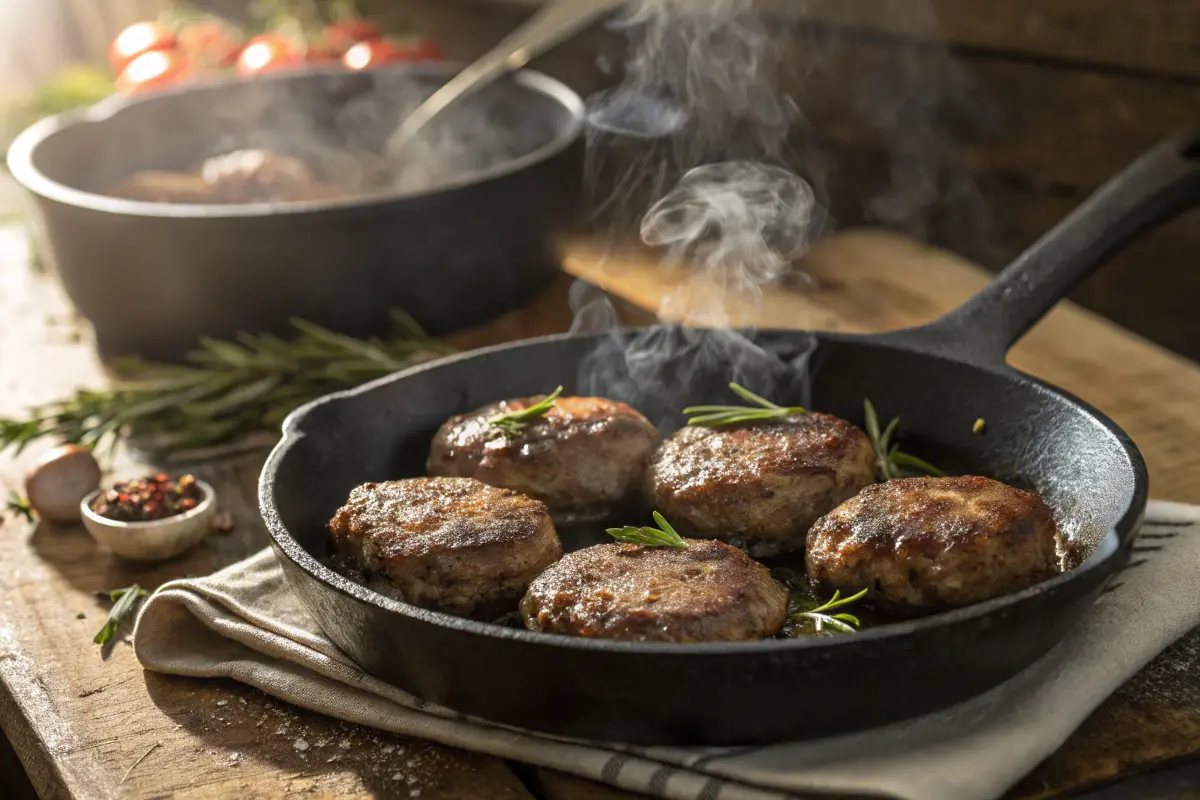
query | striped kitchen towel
(243,623)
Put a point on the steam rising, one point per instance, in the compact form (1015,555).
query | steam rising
(743,221)
(338,124)
(702,101)
(702,85)
(709,151)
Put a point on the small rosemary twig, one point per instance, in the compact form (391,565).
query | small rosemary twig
(762,409)
(891,461)
(514,422)
(662,536)
(124,602)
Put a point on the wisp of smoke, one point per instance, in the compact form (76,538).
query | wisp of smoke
(744,223)
(703,87)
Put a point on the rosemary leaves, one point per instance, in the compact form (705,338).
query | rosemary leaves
(124,602)
(759,409)
(228,389)
(808,616)
(890,460)
(514,422)
(662,536)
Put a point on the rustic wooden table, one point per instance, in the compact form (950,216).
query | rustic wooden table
(93,725)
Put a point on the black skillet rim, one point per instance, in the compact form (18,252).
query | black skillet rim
(286,544)
(20,158)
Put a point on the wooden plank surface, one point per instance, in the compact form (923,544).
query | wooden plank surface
(1151,36)
(1063,95)
(80,721)
(876,281)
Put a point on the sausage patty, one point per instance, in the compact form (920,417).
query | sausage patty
(584,458)
(761,484)
(708,592)
(928,544)
(451,544)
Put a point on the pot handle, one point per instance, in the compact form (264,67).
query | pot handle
(1158,186)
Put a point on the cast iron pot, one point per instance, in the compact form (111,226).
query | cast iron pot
(938,378)
(155,277)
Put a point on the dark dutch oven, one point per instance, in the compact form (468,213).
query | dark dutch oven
(155,277)
(939,378)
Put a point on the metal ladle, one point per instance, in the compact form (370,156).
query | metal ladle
(555,23)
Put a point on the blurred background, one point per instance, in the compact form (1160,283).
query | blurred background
(972,124)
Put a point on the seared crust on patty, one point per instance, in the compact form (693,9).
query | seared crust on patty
(584,458)
(928,544)
(708,592)
(452,544)
(762,484)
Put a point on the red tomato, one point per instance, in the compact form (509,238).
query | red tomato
(372,53)
(318,52)
(340,36)
(427,50)
(210,43)
(268,53)
(152,70)
(138,38)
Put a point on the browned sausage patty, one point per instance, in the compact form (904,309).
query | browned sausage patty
(708,592)
(583,459)
(927,544)
(452,544)
(761,485)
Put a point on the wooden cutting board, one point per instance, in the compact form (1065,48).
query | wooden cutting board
(86,726)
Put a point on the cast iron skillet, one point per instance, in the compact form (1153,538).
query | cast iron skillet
(452,256)
(940,378)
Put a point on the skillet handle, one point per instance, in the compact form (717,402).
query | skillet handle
(1158,186)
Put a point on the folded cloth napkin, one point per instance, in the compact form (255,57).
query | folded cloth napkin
(243,623)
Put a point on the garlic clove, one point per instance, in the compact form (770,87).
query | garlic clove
(61,478)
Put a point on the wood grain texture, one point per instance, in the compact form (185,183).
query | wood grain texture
(1155,36)
(78,716)
(876,281)
(1027,112)
(80,720)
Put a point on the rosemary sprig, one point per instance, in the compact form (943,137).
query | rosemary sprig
(891,461)
(662,536)
(803,608)
(124,602)
(842,623)
(514,422)
(20,506)
(712,416)
(228,389)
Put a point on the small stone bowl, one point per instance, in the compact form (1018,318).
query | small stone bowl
(152,540)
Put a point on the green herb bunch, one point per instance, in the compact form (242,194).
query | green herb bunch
(227,390)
